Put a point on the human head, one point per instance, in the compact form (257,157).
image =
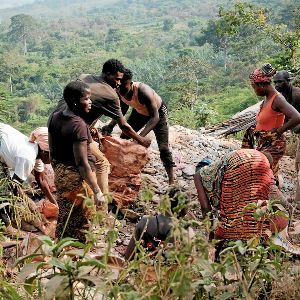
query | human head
(282,81)
(77,96)
(203,163)
(261,79)
(126,82)
(113,71)
(178,201)
(40,136)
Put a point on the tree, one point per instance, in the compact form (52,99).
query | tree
(234,24)
(168,25)
(22,28)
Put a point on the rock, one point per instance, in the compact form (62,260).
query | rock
(150,171)
(188,171)
(129,214)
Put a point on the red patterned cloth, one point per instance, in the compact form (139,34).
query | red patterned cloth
(263,74)
(242,178)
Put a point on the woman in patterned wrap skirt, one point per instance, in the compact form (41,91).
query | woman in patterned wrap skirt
(275,117)
(229,187)
(73,163)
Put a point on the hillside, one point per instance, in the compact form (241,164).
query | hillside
(188,146)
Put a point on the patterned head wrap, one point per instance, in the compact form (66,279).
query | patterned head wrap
(263,74)
(40,136)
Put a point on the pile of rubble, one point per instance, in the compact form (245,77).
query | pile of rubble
(188,148)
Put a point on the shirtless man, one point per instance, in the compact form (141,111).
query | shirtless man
(149,112)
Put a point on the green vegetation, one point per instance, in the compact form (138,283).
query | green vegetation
(185,269)
(197,56)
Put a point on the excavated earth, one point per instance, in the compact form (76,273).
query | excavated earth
(188,147)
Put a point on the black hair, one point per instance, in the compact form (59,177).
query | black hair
(73,92)
(178,200)
(284,74)
(127,75)
(112,66)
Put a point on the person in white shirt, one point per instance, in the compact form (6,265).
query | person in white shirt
(23,156)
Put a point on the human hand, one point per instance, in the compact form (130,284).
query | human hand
(107,130)
(145,141)
(99,199)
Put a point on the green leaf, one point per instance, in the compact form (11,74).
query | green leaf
(29,286)
(55,286)
(57,263)
(46,239)
(226,295)
(92,262)
(66,242)
(84,270)
(75,252)
(95,280)
(13,294)
(23,258)
(29,269)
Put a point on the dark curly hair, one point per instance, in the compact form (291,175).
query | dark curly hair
(112,66)
(127,75)
(74,91)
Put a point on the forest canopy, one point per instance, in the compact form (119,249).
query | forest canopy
(196,54)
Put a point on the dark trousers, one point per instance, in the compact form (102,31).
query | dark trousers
(161,131)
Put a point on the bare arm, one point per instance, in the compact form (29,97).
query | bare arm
(280,104)
(81,159)
(41,180)
(146,96)
(139,229)
(204,203)
(128,130)
(107,129)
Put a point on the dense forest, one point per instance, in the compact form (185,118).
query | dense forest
(196,54)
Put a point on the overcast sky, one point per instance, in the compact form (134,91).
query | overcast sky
(13,3)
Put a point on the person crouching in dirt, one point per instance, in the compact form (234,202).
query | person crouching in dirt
(236,187)
(154,231)
(73,162)
(21,157)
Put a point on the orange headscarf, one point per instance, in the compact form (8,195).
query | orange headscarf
(40,136)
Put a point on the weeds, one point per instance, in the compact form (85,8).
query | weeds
(184,269)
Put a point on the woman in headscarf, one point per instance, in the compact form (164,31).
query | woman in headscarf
(240,192)
(270,121)
(73,163)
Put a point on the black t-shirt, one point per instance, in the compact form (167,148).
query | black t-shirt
(65,130)
(105,100)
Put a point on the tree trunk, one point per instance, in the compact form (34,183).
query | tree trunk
(10,85)
(25,46)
